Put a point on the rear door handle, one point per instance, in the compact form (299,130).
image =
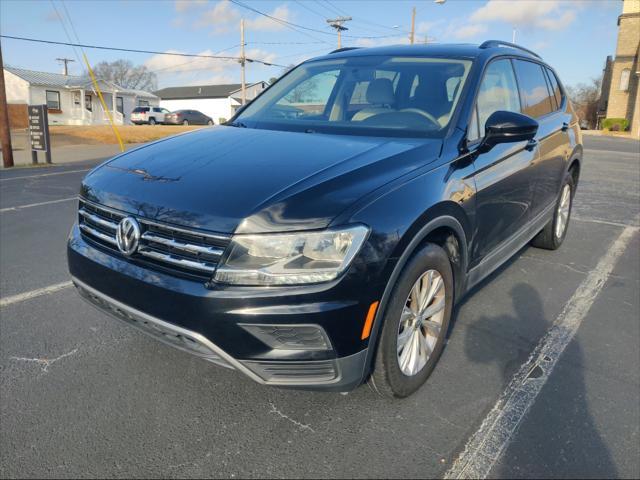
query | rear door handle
(565,126)
(531,144)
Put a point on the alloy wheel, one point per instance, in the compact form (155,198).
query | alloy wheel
(421,322)
(563,211)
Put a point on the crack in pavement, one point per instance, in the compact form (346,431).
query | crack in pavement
(45,363)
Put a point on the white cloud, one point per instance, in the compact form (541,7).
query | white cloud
(211,80)
(469,31)
(224,18)
(221,19)
(184,5)
(268,25)
(377,42)
(547,14)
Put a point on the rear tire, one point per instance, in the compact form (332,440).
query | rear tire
(185,122)
(553,234)
(399,372)
(152,121)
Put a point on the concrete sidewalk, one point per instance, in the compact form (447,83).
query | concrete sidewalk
(70,154)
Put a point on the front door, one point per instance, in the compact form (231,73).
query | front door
(503,174)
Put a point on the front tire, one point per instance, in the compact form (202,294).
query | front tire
(554,232)
(210,122)
(185,122)
(415,324)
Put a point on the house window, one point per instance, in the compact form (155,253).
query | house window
(87,102)
(143,103)
(76,99)
(119,105)
(53,100)
(624,79)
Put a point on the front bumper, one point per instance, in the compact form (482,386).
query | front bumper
(207,320)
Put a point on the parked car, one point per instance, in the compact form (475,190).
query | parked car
(148,115)
(321,240)
(188,117)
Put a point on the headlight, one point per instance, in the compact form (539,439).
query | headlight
(290,258)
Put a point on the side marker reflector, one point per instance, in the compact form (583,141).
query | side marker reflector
(368,323)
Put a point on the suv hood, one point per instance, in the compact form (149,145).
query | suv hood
(228,179)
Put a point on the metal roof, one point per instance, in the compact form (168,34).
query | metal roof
(68,81)
(200,91)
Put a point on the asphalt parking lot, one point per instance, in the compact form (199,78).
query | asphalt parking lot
(84,396)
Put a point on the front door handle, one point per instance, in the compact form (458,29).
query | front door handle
(531,144)
(565,126)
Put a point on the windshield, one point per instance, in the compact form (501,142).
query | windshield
(366,95)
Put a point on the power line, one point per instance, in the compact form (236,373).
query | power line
(295,25)
(131,50)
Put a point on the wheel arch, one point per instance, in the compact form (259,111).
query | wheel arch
(444,224)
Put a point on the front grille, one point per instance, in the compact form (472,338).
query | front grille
(176,250)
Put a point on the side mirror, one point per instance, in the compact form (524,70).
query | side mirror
(507,127)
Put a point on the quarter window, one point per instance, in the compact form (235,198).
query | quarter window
(555,87)
(53,100)
(536,99)
(498,91)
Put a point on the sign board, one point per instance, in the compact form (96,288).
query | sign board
(39,127)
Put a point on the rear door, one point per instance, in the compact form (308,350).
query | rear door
(538,96)
(503,174)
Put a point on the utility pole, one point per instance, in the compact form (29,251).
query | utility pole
(65,61)
(338,24)
(243,60)
(413,26)
(5,133)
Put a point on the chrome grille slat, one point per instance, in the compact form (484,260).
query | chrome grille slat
(100,235)
(189,247)
(177,249)
(183,262)
(98,220)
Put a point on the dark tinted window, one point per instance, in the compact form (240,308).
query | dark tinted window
(140,110)
(555,87)
(498,91)
(533,89)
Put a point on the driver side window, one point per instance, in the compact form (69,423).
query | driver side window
(498,91)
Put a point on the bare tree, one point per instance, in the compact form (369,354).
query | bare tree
(585,98)
(125,74)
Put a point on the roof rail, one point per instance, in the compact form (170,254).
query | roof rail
(344,49)
(498,43)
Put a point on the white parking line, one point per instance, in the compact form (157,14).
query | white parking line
(20,207)
(486,445)
(43,175)
(21,297)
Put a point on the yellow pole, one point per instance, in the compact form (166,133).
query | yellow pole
(104,105)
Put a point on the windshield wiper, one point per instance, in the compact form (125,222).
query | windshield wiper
(236,124)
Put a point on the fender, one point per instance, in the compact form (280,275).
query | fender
(444,221)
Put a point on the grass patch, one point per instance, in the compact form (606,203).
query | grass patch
(129,133)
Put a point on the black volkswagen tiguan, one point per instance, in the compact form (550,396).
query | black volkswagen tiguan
(322,237)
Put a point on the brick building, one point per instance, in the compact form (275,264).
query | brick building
(621,74)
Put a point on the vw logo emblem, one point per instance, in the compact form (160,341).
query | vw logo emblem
(128,235)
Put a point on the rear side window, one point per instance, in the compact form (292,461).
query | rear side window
(555,87)
(536,99)
(498,91)
(140,110)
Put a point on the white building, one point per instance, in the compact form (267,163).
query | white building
(71,99)
(217,101)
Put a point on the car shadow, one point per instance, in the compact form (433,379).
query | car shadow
(558,436)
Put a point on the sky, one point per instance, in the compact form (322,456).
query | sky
(573,36)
